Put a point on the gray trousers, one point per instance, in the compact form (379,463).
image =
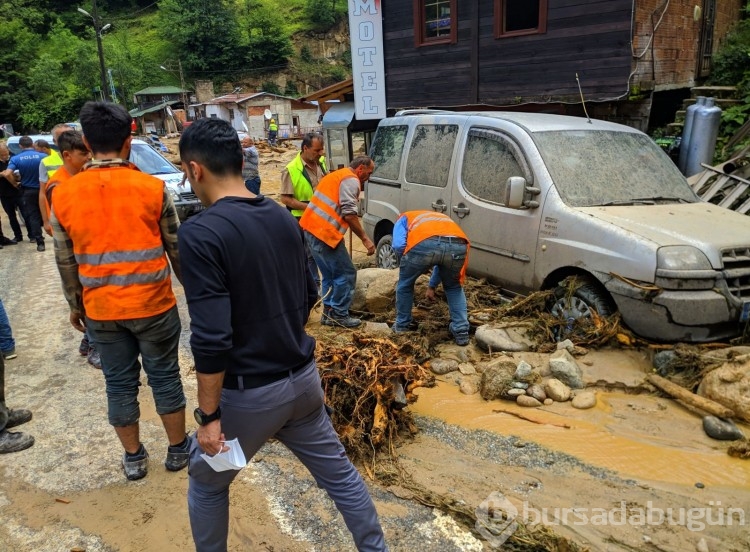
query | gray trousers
(293,411)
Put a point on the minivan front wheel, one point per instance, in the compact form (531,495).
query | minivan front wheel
(576,300)
(385,255)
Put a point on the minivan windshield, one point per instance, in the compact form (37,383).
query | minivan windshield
(599,167)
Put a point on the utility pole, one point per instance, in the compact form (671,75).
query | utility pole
(98,30)
(182,86)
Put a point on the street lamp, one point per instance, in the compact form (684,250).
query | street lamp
(182,82)
(99,30)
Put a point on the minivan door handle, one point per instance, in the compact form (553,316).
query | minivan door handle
(461,210)
(440,206)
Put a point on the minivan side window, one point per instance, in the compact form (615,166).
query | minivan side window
(488,161)
(430,155)
(387,151)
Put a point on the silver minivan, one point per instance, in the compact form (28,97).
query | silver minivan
(546,197)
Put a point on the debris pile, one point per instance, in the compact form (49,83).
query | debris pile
(367,384)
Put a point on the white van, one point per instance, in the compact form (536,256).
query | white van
(150,161)
(545,197)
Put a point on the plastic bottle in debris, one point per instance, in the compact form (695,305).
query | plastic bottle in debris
(703,137)
(687,131)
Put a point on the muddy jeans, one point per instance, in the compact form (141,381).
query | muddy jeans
(292,410)
(119,343)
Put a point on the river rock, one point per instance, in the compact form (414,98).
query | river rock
(496,379)
(548,401)
(729,385)
(469,386)
(520,385)
(491,338)
(566,344)
(375,290)
(467,368)
(663,361)
(565,368)
(442,366)
(523,371)
(584,400)
(537,391)
(556,390)
(723,430)
(515,392)
(525,400)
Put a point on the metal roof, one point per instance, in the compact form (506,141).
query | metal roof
(157,107)
(157,90)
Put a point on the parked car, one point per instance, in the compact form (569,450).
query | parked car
(546,197)
(150,161)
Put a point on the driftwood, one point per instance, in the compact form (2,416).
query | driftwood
(529,419)
(680,393)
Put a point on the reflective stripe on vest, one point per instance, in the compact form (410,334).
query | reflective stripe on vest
(117,242)
(422,225)
(53,162)
(322,218)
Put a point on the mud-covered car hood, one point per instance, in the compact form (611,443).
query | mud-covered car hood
(703,225)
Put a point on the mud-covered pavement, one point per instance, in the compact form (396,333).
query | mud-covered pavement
(68,492)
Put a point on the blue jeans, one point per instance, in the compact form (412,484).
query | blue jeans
(253,184)
(7,343)
(449,256)
(338,274)
(119,343)
(291,410)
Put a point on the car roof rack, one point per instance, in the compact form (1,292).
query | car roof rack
(425,111)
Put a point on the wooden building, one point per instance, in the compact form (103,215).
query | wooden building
(532,54)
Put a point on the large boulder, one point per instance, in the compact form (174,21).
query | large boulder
(729,385)
(494,339)
(375,290)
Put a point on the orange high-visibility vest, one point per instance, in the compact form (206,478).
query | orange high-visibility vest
(421,225)
(112,217)
(322,218)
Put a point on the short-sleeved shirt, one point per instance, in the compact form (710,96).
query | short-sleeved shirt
(27,163)
(287,188)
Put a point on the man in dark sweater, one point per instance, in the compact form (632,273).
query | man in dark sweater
(249,294)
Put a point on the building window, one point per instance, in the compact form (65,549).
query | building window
(435,22)
(520,17)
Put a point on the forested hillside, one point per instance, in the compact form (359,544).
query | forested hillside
(49,63)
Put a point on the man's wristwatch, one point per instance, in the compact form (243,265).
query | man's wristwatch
(202,418)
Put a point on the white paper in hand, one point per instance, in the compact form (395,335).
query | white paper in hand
(233,459)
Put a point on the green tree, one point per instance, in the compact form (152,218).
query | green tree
(270,45)
(205,35)
(322,13)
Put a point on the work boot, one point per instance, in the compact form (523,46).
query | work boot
(461,340)
(94,358)
(177,455)
(17,417)
(412,326)
(40,246)
(83,348)
(326,317)
(135,465)
(11,441)
(346,321)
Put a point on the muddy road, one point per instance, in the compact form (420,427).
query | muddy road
(594,482)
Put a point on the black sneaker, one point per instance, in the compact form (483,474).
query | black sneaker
(10,355)
(40,246)
(17,417)
(325,318)
(412,326)
(11,441)
(346,322)
(7,241)
(178,455)
(135,465)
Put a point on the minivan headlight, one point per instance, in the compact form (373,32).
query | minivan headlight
(175,196)
(682,257)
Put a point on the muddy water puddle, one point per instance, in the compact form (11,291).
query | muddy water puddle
(638,436)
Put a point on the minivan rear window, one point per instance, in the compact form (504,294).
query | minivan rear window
(387,151)
(430,155)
